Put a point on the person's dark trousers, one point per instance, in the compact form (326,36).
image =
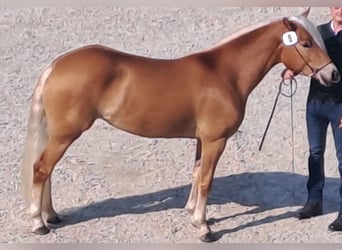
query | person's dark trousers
(319,114)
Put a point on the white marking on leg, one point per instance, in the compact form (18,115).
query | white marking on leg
(35,208)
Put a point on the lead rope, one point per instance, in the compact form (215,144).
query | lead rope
(292,135)
(292,82)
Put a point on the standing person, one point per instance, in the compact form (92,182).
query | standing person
(324,107)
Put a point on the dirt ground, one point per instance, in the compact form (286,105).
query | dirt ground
(115,187)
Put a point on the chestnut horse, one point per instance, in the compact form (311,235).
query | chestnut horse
(202,95)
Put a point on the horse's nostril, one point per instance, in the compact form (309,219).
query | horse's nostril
(335,76)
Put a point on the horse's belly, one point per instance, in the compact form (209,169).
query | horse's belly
(163,125)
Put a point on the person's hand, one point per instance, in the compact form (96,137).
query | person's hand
(287,74)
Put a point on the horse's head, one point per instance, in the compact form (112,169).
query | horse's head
(304,51)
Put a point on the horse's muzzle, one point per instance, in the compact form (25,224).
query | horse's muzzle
(328,75)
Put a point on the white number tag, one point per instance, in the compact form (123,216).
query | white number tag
(290,38)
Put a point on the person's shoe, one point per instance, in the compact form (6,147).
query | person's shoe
(311,209)
(336,225)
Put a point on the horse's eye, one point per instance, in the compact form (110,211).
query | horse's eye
(307,44)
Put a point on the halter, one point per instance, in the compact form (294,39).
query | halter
(313,70)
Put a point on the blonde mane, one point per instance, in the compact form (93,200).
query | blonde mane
(239,33)
(301,20)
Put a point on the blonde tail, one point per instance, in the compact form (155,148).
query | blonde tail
(36,138)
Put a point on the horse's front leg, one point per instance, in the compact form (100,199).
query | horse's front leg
(191,203)
(211,152)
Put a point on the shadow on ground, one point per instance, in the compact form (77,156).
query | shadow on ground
(264,191)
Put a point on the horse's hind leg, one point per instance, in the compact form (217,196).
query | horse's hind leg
(53,152)
(191,203)
(49,214)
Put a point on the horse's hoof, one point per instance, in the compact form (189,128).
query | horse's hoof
(54,220)
(208,237)
(41,230)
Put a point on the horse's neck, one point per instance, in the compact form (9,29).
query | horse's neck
(251,55)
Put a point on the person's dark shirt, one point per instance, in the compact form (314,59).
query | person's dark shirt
(333,45)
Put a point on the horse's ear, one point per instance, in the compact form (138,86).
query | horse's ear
(289,24)
(306,13)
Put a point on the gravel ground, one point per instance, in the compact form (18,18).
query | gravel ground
(115,187)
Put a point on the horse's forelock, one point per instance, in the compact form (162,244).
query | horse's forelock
(311,28)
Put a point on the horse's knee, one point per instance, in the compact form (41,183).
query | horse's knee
(204,189)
